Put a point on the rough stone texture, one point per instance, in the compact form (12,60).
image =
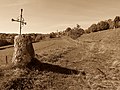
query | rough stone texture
(23,50)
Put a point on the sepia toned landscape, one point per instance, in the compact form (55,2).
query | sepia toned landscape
(69,57)
(87,62)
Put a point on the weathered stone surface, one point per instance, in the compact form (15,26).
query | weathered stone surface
(23,50)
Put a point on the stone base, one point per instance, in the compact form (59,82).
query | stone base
(23,50)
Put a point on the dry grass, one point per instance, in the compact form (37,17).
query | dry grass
(95,56)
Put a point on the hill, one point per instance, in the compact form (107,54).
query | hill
(91,62)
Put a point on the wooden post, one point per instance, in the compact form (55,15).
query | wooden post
(6,59)
(21,21)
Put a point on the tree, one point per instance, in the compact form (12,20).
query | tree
(38,37)
(75,33)
(92,28)
(102,25)
(78,26)
(68,29)
(116,22)
(52,35)
(111,23)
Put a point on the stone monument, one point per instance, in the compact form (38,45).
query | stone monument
(23,50)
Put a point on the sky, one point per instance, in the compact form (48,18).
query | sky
(45,16)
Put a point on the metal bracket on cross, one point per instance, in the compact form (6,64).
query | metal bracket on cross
(20,19)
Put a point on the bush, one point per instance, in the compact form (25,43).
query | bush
(92,28)
(52,35)
(10,40)
(111,23)
(68,29)
(103,25)
(38,38)
(4,42)
(75,33)
(117,22)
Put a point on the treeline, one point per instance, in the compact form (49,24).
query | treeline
(8,39)
(74,33)
(104,25)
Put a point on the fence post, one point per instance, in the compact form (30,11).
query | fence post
(6,60)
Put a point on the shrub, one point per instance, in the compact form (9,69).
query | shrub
(111,23)
(75,33)
(117,22)
(103,25)
(38,38)
(4,42)
(92,28)
(52,35)
(78,26)
(10,40)
(68,29)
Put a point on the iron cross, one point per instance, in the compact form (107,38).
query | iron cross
(20,19)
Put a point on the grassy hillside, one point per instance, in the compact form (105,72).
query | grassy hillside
(92,62)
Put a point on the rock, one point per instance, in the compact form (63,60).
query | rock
(23,50)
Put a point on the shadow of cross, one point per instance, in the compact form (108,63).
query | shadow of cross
(20,19)
(37,65)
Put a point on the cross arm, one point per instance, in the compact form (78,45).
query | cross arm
(19,21)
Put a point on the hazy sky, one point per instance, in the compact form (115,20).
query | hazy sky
(44,16)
